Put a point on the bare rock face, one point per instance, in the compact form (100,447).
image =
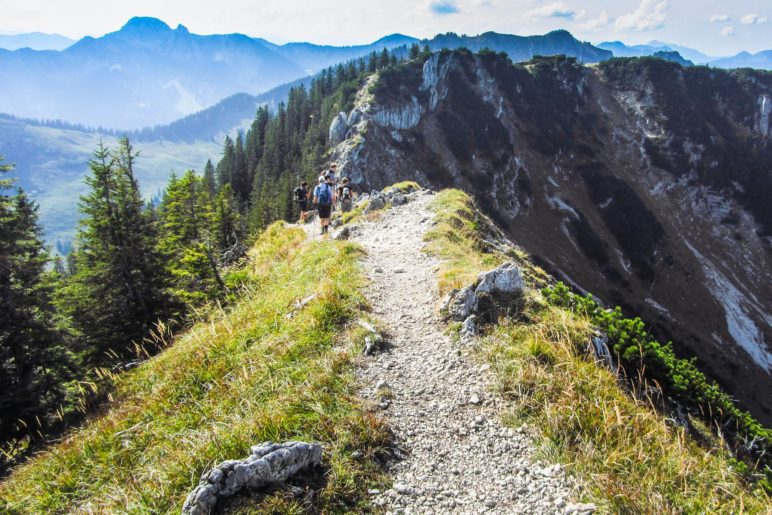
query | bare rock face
(354,117)
(268,463)
(506,279)
(765,108)
(338,129)
(462,304)
(495,293)
(377,201)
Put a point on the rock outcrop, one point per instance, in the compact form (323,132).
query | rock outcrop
(765,112)
(495,293)
(338,129)
(268,464)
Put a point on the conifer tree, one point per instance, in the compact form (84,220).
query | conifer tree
(210,183)
(189,239)
(384,59)
(415,51)
(34,361)
(118,290)
(225,166)
(241,180)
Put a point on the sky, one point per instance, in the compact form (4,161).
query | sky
(712,26)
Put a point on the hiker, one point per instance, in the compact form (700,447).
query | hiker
(346,195)
(301,197)
(332,172)
(323,198)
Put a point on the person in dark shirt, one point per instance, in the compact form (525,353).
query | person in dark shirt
(324,197)
(301,196)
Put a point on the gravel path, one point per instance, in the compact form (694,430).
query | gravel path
(458,457)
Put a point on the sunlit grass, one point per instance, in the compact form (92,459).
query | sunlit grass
(244,376)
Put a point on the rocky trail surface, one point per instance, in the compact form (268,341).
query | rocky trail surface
(458,457)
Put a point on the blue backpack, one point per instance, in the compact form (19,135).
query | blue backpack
(324,196)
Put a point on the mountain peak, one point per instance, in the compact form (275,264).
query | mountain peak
(396,37)
(561,33)
(145,23)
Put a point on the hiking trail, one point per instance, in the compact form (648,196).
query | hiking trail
(458,456)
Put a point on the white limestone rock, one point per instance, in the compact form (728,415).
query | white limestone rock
(338,129)
(506,279)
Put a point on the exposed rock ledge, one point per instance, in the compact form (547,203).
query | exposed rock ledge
(268,463)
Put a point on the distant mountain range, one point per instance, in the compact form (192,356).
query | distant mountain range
(35,41)
(147,73)
(761,60)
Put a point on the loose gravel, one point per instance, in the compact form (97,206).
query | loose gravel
(458,457)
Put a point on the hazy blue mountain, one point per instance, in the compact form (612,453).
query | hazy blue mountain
(761,61)
(313,58)
(690,56)
(144,74)
(148,74)
(619,49)
(688,53)
(523,48)
(35,41)
(671,55)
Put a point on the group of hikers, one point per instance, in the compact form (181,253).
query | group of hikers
(328,193)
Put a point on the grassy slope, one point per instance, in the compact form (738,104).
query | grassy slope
(247,375)
(51,164)
(629,457)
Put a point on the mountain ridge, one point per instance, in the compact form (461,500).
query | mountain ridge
(606,175)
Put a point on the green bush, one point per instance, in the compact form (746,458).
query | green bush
(641,355)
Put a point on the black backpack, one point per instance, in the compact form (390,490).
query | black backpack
(301,196)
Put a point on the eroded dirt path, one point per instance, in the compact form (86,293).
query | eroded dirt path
(458,457)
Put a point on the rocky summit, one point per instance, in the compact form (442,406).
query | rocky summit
(639,180)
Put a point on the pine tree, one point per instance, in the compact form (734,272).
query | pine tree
(226,164)
(118,290)
(241,179)
(384,59)
(228,230)
(189,239)
(210,182)
(34,361)
(415,51)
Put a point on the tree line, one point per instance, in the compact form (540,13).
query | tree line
(68,324)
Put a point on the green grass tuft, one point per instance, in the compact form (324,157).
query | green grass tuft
(404,186)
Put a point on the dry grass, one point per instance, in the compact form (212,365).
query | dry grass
(456,239)
(246,375)
(631,459)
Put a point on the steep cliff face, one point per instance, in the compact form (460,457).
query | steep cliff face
(646,183)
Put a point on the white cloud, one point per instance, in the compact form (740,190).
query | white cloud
(750,19)
(720,18)
(596,24)
(727,31)
(650,15)
(554,10)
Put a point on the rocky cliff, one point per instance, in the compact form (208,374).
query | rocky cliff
(644,182)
